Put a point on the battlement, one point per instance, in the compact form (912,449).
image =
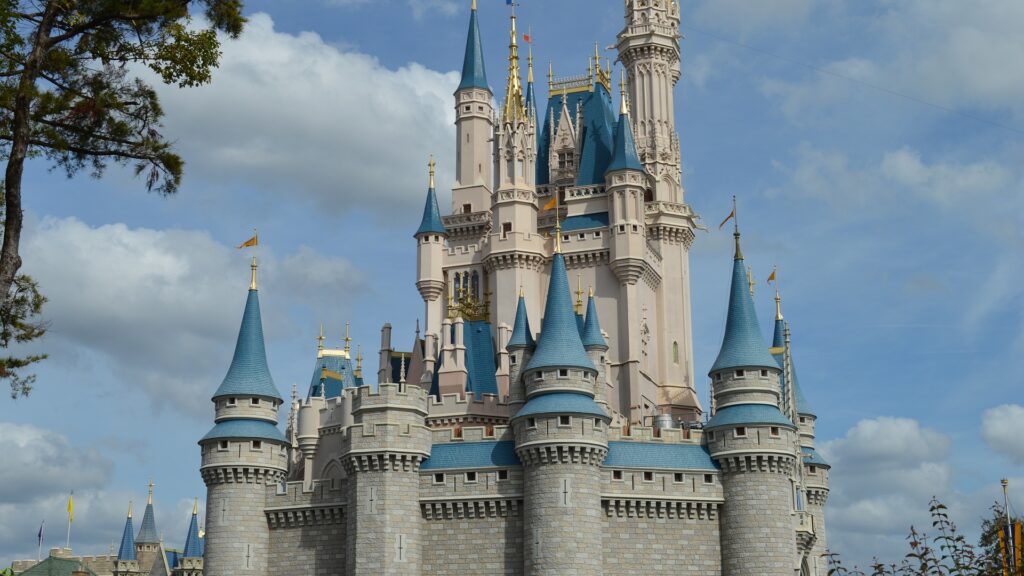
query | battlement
(399,396)
(470,434)
(654,434)
(459,405)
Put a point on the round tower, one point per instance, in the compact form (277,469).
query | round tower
(243,454)
(561,438)
(382,453)
(430,240)
(474,129)
(520,347)
(127,564)
(597,349)
(753,443)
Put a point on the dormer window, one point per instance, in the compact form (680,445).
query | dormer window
(565,420)
(255,401)
(741,374)
(764,373)
(740,432)
(232,401)
(563,373)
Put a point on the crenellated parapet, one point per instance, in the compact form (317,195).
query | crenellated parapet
(461,409)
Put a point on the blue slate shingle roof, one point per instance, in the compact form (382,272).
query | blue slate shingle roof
(559,345)
(148,533)
(650,455)
(742,346)
(592,328)
(624,155)
(431,221)
(561,403)
(522,336)
(748,414)
(480,358)
(473,73)
(585,222)
(173,557)
(597,134)
(811,456)
(193,546)
(486,454)
(248,374)
(580,323)
(551,116)
(127,549)
(779,341)
(244,428)
(333,386)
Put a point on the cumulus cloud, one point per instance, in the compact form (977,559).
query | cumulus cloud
(1002,428)
(157,303)
(884,472)
(335,127)
(752,17)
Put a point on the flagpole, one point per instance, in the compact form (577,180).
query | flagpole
(39,544)
(71,516)
(68,544)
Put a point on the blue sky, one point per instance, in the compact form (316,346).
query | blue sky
(875,148)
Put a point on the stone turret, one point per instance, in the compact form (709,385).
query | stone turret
(753,443)
(382,453)
(596,347)
(190,563)
(561,439)
(147,541)
(520,347)
(242,454)
(127,563)
(474,128)
(812,478)
(430,241)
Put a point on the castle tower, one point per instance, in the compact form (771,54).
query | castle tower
(382,453)
(649,48)
(474,128)
(813,478)
(520,347)
(561,440)
(242,454)
(127,564)
(596,347)
(516,253)
(430,239)
(190,563)
(753,443)
(147,541)
(625,183)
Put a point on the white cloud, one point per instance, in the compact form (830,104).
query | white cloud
(158,303)
(39,462)
(948,184)
(884,472)
(293,115)
(747,17)
(1003,430)
(419,8)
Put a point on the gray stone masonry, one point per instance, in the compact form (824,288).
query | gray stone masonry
(642,545)
(757,521)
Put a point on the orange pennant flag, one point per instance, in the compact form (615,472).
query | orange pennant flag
(254,241)
(771,277)
(551,203)
(727,218)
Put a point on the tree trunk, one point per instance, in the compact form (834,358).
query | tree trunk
(21,129)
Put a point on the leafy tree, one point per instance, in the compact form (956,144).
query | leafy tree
(70,93)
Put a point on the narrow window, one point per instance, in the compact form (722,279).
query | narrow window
(711,434)
(812,469)
(512,359)
(502,474)
(257,445)
(565,420)
(232,401)
(775,430)
(764,373)
(677,477)
(565,237)
(223,445)
(506,227)
(531,422)
(470,477)
(635,228)
(597,234)
(581,236)
(439,478)
(255,401)
(675,352)
(468,108)
(718,377)
(616,474)
(741,432)
(467,208)
(648,476)
(597,423)
(709,479)
(622,227)
(563,373)
(803,420)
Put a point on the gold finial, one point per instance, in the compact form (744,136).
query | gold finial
(150,500)
(778,299)
(591,290)
(521,292)
(551,77)
(529,62)
(359,358)
(736,229)
(579,293)
(252,279)
(558,232)
(514,106)
(623,108)
(195,506)
(597,57)
(129,508)
(430,167)
(348,341)
(750,279)
(473,6)
(320,339)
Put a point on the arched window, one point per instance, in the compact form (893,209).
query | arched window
(475,283)
(458,286)
(675,352)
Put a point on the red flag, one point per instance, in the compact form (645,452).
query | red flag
(527,38)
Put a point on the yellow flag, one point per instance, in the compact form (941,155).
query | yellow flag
(551,203)
(771,277)
(254,241)
(71,507)
(727,218)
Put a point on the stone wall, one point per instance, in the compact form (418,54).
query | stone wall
(488,543)
(309,550)
(661,543)
(757,524)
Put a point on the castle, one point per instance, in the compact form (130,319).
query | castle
(490,448)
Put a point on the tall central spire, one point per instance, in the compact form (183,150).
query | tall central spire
(514,105)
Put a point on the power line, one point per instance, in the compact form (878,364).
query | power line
(877,87)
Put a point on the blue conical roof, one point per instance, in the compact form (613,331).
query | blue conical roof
(592,329)
(624,155)
(431,222)
(743,346)
(559,345)
(531,102)
(148,533)
(248,374)
(522,336)
(779,341)
(127,549)
(473,74)
(193,546)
